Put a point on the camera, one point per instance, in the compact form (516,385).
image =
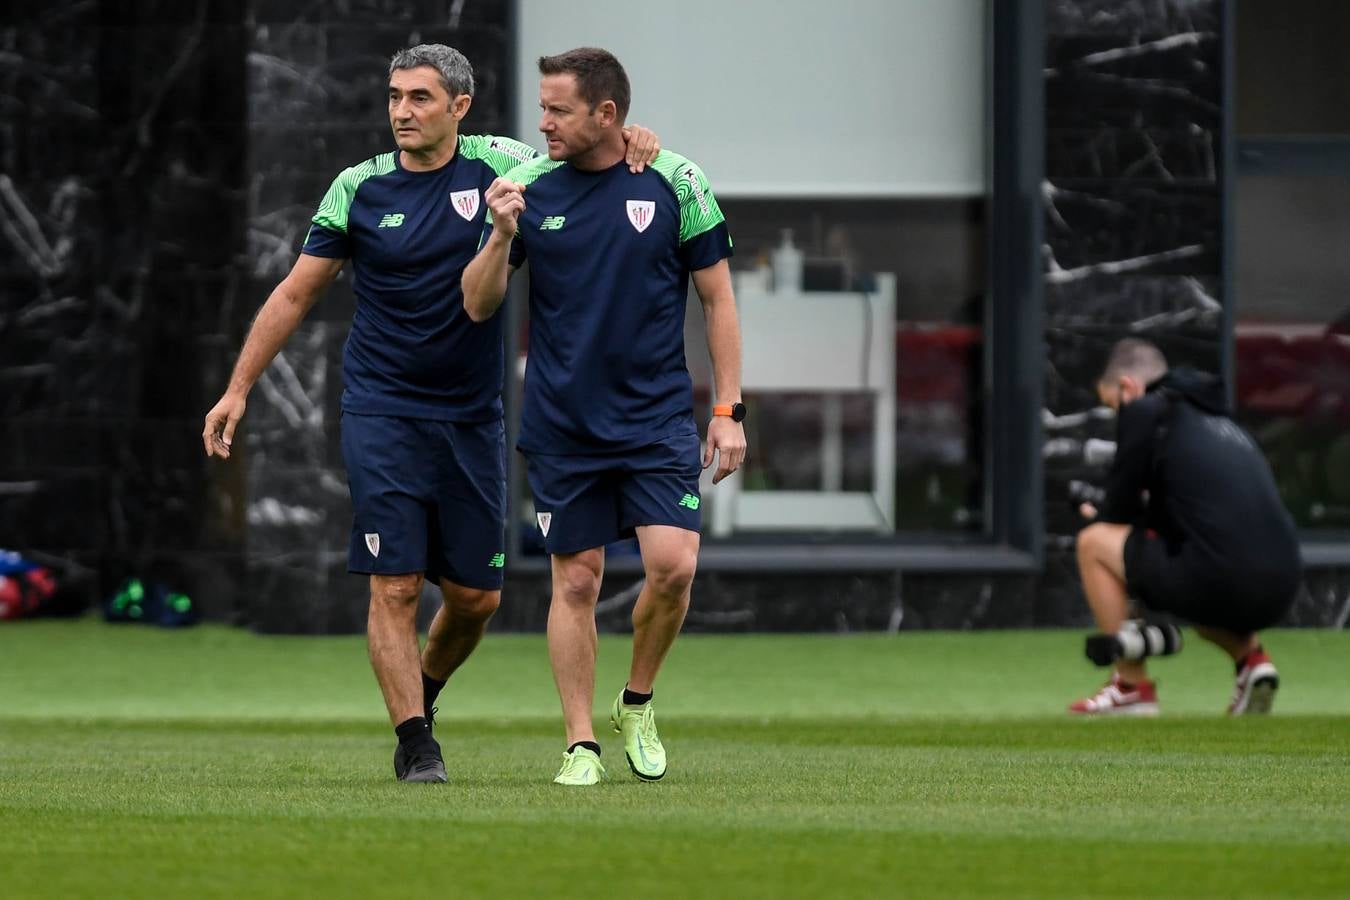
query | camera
(1136,640)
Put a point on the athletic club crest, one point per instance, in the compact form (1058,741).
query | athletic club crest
(373,544)
(465,203)
(640,213)
(545,520)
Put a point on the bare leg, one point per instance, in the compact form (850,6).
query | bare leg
(1234,644)
(457,628)
(391,632)
(1101,563)
(572,641)
(669,558)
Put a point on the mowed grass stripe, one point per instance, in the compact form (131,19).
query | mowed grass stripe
(89,670)
(222,856)
(886,784)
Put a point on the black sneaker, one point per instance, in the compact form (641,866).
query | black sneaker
(424,764)
(401,755)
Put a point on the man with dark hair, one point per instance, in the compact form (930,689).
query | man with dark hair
(608,426)
(422,434)
(1191,524)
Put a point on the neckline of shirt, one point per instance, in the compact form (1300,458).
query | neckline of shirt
(596,173)
(398,162)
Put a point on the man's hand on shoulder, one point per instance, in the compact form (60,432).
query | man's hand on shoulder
(506,199)
(643,147)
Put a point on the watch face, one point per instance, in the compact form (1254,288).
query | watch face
(738,412)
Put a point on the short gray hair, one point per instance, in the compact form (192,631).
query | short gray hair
(1134,357)
(455,71)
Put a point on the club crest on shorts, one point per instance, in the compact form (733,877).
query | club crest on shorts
(545,520)
(640,213)
(465,203)
(373,544)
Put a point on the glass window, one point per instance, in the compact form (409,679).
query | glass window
(1292,338)
(863,334)
(863,355)
(1293,74)
(1292,230)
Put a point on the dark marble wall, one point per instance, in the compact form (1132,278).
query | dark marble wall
(121,215)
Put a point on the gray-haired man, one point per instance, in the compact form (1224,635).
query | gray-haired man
(422,434)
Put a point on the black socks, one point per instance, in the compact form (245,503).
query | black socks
(431,689)
(589,745)
(633,698)
(415,734)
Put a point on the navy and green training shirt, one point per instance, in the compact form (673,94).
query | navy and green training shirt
(610,254)
(412,350)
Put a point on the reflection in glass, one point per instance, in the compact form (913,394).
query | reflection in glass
(1292,339)
(863,377)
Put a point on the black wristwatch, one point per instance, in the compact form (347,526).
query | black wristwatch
(735,410)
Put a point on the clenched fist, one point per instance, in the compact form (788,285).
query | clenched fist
(506,199)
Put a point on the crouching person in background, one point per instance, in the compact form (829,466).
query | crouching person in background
(1192,525)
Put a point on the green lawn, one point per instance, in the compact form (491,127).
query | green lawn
(216,763)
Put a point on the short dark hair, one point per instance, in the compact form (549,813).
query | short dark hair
(1135,357)
(600,76)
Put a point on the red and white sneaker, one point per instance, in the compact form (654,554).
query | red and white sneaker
(1114,700)
(1257,682)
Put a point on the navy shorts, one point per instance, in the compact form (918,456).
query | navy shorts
(583,502)
(427,496)
(1198,590)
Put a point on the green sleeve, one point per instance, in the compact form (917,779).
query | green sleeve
(337,203)
(500,154)
(699,211)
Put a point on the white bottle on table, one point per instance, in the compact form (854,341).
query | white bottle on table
(787,266)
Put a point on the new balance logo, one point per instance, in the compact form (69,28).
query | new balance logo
(552,223)
(498,561)
(391,220)
(689,501)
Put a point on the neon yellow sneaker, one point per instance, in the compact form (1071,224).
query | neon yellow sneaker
(580,767)
(641,744)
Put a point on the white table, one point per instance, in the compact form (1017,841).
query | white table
(828,343)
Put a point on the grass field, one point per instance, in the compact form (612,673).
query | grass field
(216,763)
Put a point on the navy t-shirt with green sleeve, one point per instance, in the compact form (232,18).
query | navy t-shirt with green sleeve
(610,254)
(413,351)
